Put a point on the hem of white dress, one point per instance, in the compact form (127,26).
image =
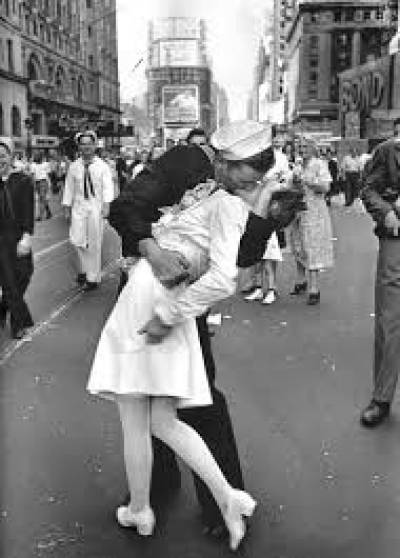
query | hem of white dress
(181,400)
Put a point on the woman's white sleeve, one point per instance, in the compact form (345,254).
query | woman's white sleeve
(227,224)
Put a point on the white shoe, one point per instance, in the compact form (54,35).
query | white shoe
(144,521)
(257,294)
(240,505)
(270,297)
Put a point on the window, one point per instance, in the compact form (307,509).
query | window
(90,60)
(314,42)
(88,4)
(36,123)
(10,55)
(15,121)
(81,90)
(1,121)
(314,62)
(35,28)
(89,31)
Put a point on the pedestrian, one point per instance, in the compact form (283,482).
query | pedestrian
(311,231)
(178,171)
(16,230)
(88,191)
(151,377)
(351,171)
(264,282)
(40,170)
(381,196)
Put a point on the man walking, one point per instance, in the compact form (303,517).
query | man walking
(88,192)
(381,197)
(180,169)
(16,229)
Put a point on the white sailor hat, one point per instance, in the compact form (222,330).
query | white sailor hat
(8,143)
(88,133)
(242,139)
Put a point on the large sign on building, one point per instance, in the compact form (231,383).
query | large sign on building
(369,98)
(176,27)
(180,104)
(179,52)
(366,87)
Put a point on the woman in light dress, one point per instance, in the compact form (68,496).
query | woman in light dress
(311,232)
(150,368)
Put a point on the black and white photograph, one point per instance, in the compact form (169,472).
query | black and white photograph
(199,278)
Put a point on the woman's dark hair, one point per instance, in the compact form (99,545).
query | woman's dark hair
(6,147)
(261,162)
(195,132)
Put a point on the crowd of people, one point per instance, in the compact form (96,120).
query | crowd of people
(191,221)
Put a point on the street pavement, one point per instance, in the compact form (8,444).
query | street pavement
(296,378)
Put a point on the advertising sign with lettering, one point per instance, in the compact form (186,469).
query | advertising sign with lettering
(180,104)
(366,88)
(179,53)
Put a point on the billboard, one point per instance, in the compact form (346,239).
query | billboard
(180,104)
(176,27)
(177,52)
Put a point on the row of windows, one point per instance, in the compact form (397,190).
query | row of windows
(16,128)
(353,15)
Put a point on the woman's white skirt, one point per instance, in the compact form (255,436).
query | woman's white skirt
(273,251)
(125,364)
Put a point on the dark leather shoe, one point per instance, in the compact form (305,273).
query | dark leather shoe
(81,279)
(91,286)
(314,298)
(299,288)
(375,413)
(19,334)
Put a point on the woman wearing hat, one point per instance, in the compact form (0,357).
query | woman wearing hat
(311,232)
(16,229)
(88,191)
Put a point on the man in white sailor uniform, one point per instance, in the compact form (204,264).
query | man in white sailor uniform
(88,192)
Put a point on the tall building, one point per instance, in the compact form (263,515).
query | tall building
(179,77)
(65,51)
(13,98)
(283,14)
(326,38)
(220,104)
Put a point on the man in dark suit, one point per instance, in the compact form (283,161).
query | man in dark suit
(132,214)
(381,196)
(16,229)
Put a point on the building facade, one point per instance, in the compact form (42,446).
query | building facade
(326,38)
(66,51)
(179,77)
(13,83)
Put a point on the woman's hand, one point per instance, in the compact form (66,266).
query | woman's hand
(24,246)
(155,330)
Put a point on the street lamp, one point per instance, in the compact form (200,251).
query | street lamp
(28,125)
